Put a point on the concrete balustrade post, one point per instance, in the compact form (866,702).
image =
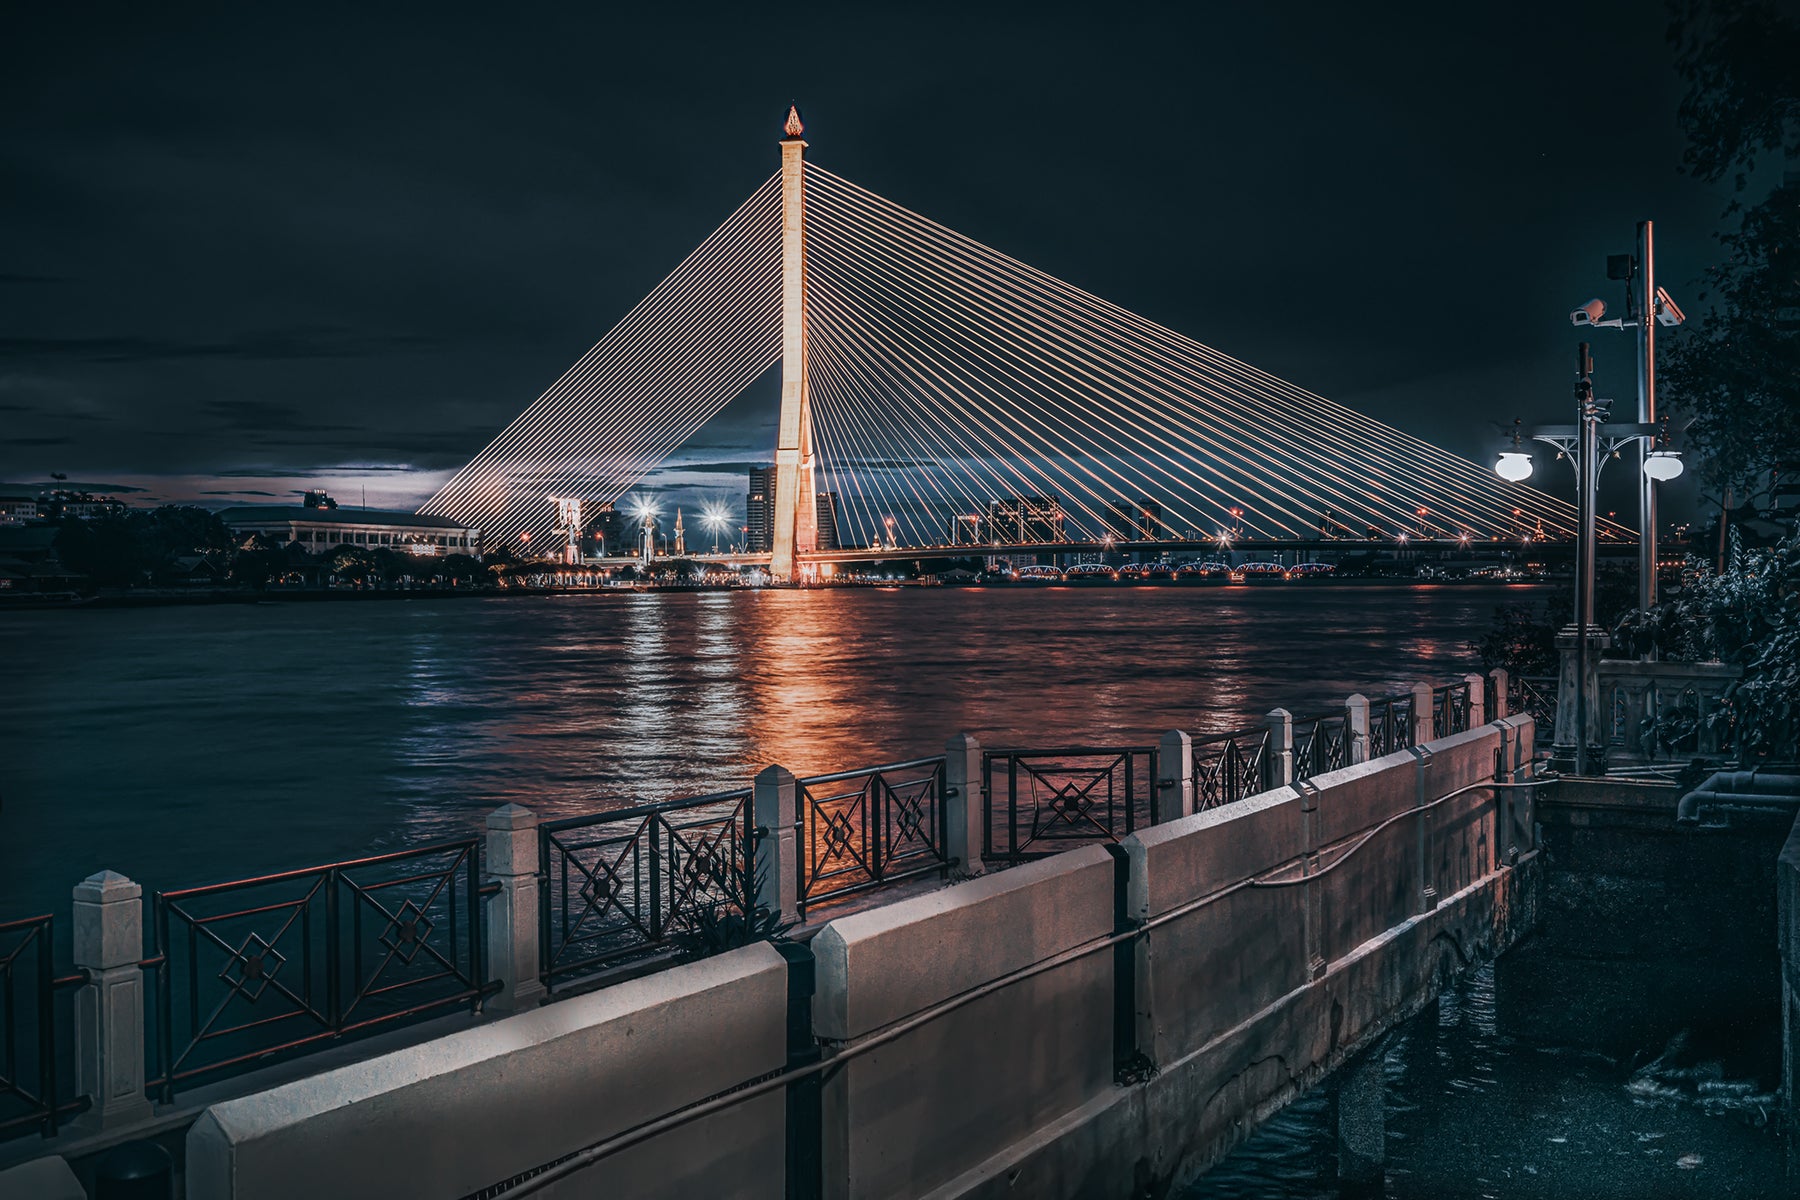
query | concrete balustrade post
(513,913)
(1502,681)
(1421,714)
(1175,776)
(1477,685)
(964,805)
(777,844)
(1280,768)
(1356,729)
(109,1009)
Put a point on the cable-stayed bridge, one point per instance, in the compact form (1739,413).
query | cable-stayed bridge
(945,394)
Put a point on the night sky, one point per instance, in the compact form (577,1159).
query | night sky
(254,250)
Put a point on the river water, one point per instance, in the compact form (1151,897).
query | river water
(1487,1102)
(189,745)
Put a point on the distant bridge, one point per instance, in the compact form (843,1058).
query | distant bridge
(928,379)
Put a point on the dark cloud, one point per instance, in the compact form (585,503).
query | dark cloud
(265,346)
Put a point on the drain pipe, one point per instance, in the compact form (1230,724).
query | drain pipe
(1760,790)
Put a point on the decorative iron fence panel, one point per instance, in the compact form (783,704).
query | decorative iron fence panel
(1321,744)
(1230,766)
(858,829)
(36,1059)
(249,970)
(1535,696)
(1390,724)
(1450,709)
(1041,802)
(621,885)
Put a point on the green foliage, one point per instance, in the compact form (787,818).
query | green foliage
(1521,641)
(1736,368)
(1747,615)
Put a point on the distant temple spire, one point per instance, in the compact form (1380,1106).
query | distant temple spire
(793,128)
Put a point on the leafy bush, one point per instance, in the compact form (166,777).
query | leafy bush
(1747,615)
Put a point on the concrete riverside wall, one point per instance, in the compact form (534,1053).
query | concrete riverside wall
(1244,1002)
(914,1113)
(453,1116)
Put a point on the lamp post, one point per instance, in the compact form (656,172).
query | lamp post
(1588,444)
(1647,306)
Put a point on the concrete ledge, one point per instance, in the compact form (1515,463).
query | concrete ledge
(46,1178)
(883,964)
(478,1107)
(910,1114)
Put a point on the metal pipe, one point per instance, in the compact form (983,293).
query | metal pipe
(1753,790)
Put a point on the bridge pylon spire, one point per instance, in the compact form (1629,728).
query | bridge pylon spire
(796,529)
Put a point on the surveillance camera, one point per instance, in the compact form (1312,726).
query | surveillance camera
(1589,313)
(1667,312)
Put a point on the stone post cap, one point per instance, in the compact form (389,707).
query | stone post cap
(1356,698)
(1177,735)
(962,742)
(107,887)
(1280,714)
(774,773)
(512,816)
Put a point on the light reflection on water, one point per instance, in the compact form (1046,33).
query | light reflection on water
(192,744)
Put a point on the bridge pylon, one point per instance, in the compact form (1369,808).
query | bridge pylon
(796,529)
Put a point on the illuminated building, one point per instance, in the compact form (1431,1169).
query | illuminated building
(1025,519)
(321,530)
(1135,520)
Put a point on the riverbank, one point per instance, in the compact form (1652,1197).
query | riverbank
(165,598)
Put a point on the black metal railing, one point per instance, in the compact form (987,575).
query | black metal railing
(1040,802)
(621,885)
(1535,696)
(258,968)
(1390,724)
(1321,744)
(35,1062)
(1450,709)
(860,829)
(1230,766)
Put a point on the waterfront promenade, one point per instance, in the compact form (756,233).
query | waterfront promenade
(385,932)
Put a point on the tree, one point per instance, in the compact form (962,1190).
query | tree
(1736,370)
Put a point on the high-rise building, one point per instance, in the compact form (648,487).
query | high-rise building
(1024,519)
(1135,520)
(828,521)
(607,531)
(759,511)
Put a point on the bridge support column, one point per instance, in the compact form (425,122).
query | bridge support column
(1356,729)
(1278,768)
(1360,1112)
(512,915)
(777,844)
(1175,768)
(965,807)
(796,503)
